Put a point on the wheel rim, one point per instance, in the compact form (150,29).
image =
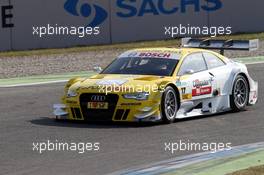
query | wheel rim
(170,104)
(240,93)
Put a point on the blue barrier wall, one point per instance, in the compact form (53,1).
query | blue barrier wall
(118,20)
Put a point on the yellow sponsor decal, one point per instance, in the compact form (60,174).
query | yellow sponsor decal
(186,96)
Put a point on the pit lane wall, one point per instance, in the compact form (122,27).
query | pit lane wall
(119,20)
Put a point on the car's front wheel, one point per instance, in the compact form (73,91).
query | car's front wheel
(240,94)
(169,105)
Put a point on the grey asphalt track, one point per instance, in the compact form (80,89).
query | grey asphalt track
(25,118)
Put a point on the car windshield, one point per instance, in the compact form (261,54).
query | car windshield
(142,66)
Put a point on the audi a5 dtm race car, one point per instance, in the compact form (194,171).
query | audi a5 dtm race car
(163,84)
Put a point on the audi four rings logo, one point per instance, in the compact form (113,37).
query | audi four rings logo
(98,98)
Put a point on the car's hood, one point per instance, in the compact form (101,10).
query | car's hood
(110,80)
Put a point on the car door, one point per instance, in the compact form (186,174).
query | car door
(219,71)
(194,80)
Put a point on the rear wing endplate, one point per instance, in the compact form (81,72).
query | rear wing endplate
(222,45)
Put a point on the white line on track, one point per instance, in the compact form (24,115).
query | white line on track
(33,84)
(171,165)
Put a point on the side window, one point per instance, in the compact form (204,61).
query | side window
(212,61)
(194,62)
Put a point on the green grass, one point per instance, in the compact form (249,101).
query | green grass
(125,46)
(222,166)
(258,170)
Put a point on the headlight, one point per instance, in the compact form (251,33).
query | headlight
(72,93)
(137,96)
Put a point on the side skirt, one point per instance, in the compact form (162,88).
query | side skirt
(207,106)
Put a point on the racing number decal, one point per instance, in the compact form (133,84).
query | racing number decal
(185,96)
(185,89)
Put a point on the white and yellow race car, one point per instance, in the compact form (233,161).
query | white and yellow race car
(163,84)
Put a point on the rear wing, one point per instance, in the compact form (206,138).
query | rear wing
(222,45)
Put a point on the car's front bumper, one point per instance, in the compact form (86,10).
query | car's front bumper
(62,112)
(124,110)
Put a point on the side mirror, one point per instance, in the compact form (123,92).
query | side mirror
(189,71)
(97,69)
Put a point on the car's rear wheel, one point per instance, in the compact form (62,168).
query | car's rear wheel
(240,94)
(169,105)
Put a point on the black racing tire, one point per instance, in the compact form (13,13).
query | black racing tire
(240,94)
(169,105)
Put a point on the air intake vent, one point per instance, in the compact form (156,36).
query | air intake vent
(121,114)
(76,113)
